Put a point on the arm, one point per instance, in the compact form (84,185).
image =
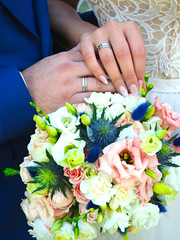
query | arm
(126,51)
(16,112)
(65,21)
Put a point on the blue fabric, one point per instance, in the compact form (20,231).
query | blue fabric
(25,39)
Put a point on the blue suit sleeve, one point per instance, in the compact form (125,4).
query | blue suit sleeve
(16,114)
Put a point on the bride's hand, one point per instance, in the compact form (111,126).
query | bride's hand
(125,55)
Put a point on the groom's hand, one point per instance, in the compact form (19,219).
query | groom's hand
(58,78)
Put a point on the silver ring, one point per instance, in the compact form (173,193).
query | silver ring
(104,45)
(84,84)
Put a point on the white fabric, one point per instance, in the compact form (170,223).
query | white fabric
(159,23)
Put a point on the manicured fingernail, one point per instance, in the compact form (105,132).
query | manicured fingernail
(140,83)
(133,89)
(123,91)
(103,79)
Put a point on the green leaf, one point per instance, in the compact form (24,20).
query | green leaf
(10,172)
(94,116)
(116,118)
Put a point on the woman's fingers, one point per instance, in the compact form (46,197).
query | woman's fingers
(89,51)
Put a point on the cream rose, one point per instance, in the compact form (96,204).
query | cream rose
(86,231)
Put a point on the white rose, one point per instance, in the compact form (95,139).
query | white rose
(114,110)
(39,231)
(65,232)
(64,143)
(173,178)
(151,144)
(86,231)
(99,99)
(152,123)
(122,197)
(145,217)
(116,220)
(39,154)
(64,120)
(117,98)
(98,189)
(37,139)
(132,102)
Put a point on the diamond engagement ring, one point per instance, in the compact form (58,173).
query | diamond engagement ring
(104,45)
(84,84)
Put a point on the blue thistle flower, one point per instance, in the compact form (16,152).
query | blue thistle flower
(91,205)
(102,133)
(140,111)
(93,154)
(49,175)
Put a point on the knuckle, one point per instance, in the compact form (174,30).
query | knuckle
(107,57)
(87,55)
(123,51)
(66,67)
(129,77)
(131,24)
(112,24)
(140,52)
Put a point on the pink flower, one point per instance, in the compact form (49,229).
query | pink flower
(75,175)
(39,208)
(60,203)
(24,173)
(170,118)
(47,209)
(38,139)
(80,197)
(124,161)
(92,216)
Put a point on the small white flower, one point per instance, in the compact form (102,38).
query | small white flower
(145,217)
(152,123)
(99,99)
(151,144)
(114,110)
(98,189)
(39,231)
(64,120)
(64,143)
(86,231)
(65,232)
(117,98)
(122,197)
(132,102)
(173,178)
(114,221)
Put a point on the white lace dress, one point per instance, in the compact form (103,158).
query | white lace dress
(159,23)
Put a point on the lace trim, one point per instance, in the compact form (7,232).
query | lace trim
(158,21)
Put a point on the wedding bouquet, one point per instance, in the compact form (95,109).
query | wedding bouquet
(109,162)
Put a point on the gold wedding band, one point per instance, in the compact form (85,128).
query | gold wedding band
(104,45)
(84,84)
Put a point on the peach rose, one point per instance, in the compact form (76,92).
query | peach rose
(38,139)
(75,175)
(79,195)
(92,216)
(60,203)
(170,118)
(124,161)
(35,208)
(24,173)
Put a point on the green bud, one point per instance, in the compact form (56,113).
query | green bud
(85,218)
(150,87)
(161,188)
(76,230)
(92,209)
(85,119)
(161,133)
(149,113)
(52,131)
(41,123)
(56,225)
(150,173)
(71,109)
(103,207)
(143,92)
(146,78)
(100,218)
(53,140)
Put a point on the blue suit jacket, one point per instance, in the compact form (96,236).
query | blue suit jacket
(25,38)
